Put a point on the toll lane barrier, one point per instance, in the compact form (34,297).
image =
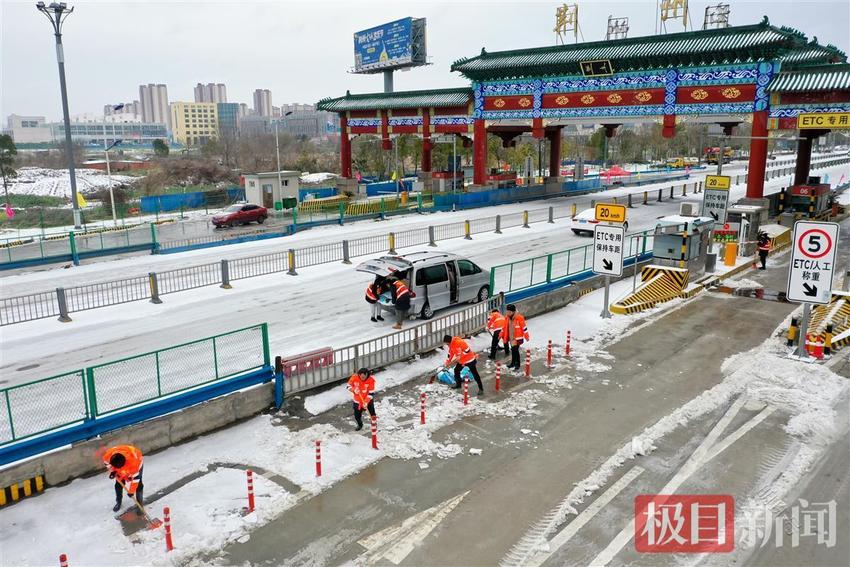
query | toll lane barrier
(659,284)
(830,323)
(29,487)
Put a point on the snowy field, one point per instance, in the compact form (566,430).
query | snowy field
(207,512)
(57,182)
(322,306)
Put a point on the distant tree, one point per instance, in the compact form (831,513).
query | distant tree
(160,148)
(8,151)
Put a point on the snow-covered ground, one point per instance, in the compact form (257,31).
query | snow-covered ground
(207,512)
(322,306)
(57,182)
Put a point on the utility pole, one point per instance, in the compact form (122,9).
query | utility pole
(57,13)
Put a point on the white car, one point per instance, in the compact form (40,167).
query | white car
(584,222)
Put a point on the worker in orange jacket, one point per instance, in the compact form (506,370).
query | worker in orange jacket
(495,323)
(460,354)
(514,333)
(764,249)
(125,465)
(373,297)
(401,295)
(362,387)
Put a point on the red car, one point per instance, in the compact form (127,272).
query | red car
(240,214)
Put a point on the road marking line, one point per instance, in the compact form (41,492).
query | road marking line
(585,516)
(698,458)
(396,542)
(481,429)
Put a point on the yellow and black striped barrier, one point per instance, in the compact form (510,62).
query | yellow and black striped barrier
(24,489)
(659,284)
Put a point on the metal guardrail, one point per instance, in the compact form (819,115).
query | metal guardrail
(45,405)
(539,270)
(395,347)
(62,302)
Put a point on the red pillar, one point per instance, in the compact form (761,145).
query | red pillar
(426,141)
(479,152)
(804,159)
(426,155)
(344,147)
(555,153)
(386,143)
(758,156)
(537,128)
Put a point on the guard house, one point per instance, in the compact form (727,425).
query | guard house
(268,189)
(759,73)
(682,241)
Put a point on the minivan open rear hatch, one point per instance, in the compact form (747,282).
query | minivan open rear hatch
(385,266)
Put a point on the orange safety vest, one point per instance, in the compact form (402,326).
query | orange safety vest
(765,247)
(371,297)
(495,322)
(460,350)
(520,328)
(361,390)
(401,290)
(128,475)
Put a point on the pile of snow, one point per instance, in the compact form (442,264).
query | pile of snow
(310,178)
(57,182)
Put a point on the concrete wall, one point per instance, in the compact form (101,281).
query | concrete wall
(561,297)
(150,436)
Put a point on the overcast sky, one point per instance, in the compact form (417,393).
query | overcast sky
(301,51)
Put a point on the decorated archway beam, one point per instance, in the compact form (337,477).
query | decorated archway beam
(823,89)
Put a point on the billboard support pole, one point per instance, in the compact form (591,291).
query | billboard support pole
(388,81)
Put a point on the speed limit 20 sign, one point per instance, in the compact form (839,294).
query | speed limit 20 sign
(812,262)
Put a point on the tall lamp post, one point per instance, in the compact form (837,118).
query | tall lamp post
(109,173)
(277,151)
(57,13)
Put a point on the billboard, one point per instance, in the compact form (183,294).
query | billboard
(395,44)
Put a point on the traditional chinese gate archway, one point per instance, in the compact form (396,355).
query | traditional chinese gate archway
(714,76)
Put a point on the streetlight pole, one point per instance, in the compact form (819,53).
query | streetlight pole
(57,12)
(277,151)
(109,172)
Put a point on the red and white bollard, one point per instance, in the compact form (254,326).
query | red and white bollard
(250,491)
(374,432)
(465,391)
(567,346)
(318,458)
(549,354)
(63,560)
(422,408)
(169,544)
(498,376)
(528,363)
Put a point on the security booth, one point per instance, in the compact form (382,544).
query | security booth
(682,241)
(743,223)
(806,201)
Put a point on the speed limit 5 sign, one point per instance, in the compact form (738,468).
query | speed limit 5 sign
(812,262)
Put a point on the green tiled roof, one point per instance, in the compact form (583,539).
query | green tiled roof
(403,99)
(812,79)
(813,54)
(737,44)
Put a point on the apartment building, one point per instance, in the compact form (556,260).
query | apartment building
(194,123)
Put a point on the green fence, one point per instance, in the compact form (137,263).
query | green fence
(551,267)
(36,247)
(52,403)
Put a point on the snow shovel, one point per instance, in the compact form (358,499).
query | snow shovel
(153,523)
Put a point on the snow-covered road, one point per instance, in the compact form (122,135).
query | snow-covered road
(322,306)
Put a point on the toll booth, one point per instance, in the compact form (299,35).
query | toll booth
(809,201)
(742,227)
(682,241)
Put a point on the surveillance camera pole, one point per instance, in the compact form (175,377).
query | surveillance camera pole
(57,13)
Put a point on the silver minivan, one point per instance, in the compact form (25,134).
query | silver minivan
(439,280)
